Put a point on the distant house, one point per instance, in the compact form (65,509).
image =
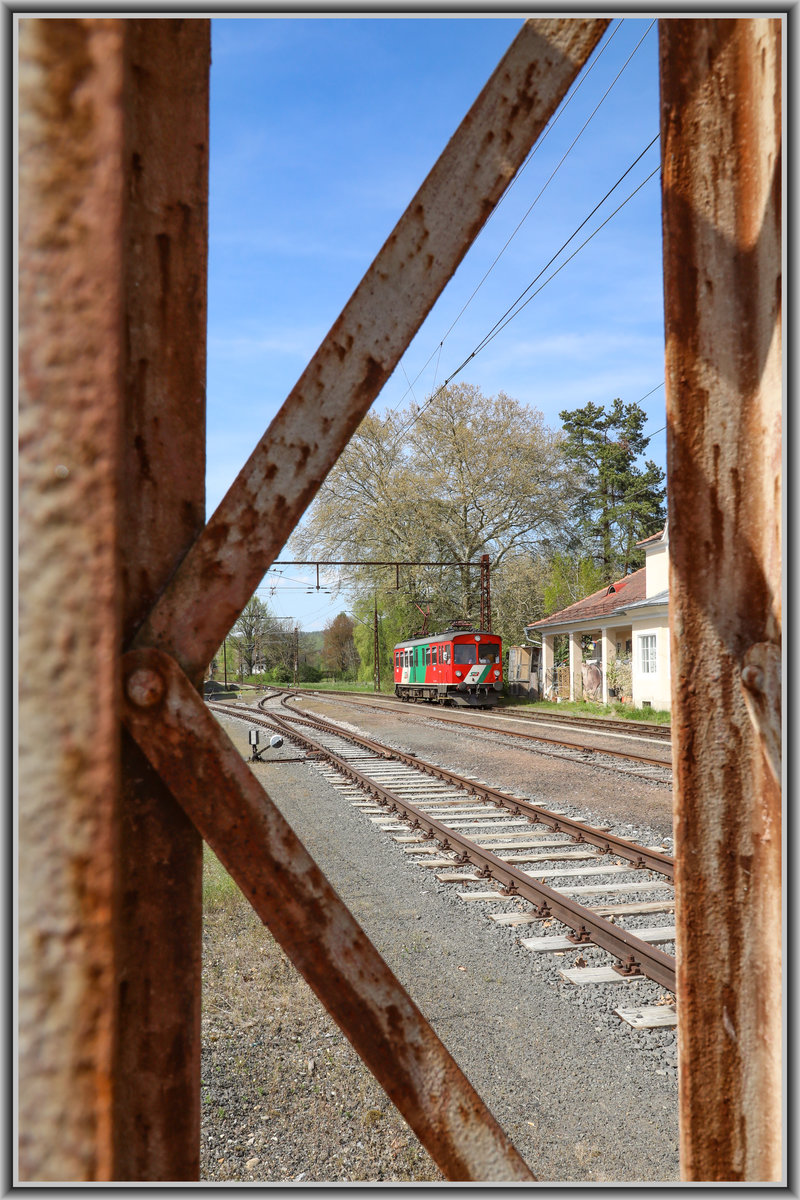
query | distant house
(628,626)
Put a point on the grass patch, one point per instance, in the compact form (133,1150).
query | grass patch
(219,890)
(588,708)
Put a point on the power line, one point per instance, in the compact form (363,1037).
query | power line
(563,247)
(493,334)
(513,310)
(644,397)
(550,126)
(552,175)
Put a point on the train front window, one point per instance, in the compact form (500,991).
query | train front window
(488,653)
(464,652)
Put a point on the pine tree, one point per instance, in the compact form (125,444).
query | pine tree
(621,502)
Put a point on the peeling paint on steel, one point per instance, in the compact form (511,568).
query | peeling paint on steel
(722,181)
(258,847)
(364,345)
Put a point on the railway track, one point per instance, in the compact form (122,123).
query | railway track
(476,836)
(641,766)
(647,730)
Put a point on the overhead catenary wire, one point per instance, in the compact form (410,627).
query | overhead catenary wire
(492,332)
(514,309)
(510,317)
(551,177)
(548,129)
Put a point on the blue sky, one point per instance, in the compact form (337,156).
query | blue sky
(322,129)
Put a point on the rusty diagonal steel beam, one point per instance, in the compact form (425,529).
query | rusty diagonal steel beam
(653,963)
(258,847)
(254,520)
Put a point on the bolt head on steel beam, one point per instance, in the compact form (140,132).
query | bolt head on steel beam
(145,688)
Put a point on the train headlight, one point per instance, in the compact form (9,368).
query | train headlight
(497,674)
(458,674)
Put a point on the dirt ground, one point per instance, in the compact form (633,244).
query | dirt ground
(284,1095)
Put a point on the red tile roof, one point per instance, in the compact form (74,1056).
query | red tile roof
(626,591)
(654,537)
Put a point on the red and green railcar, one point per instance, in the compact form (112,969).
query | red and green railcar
(459,666)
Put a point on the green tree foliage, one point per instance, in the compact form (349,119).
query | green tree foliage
(257,643)
(467,476)
(619,502)
(251,630)
(339,655)
(393,620)
(518,595)
(571,578)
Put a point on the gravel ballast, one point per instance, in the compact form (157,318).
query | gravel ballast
(583,1096)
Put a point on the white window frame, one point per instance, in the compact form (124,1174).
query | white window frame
(649,653)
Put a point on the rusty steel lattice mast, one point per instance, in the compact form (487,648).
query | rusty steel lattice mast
(113,197)
(722,184)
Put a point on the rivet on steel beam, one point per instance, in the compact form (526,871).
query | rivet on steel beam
(145,687)
(753,678)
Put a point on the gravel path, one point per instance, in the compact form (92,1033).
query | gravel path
(582,1095)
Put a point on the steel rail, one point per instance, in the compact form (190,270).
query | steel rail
(633,956)
(533,737)
(638,856)
(635,728)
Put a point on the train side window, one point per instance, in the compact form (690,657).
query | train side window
(445,654)
(427,656)
(434,656)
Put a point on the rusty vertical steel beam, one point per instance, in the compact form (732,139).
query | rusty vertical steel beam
(162,510)
(722,180)
(70,361)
